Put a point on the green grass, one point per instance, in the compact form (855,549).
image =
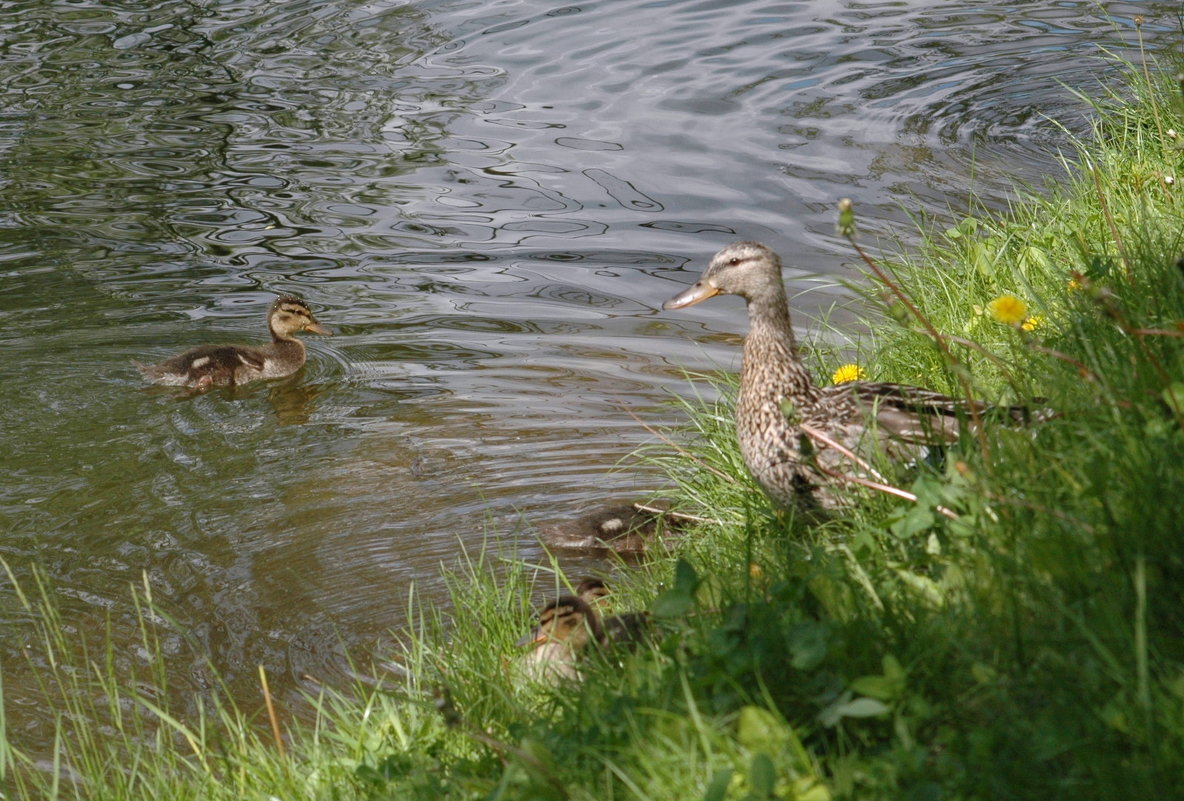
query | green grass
(1031,648)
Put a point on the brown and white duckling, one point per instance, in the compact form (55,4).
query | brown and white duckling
(798,438)
(624,528)
(628,629)
(229,365)
(566,626)
(570,624)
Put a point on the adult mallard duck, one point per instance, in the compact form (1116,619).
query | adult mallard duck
(230,365)
(800,440)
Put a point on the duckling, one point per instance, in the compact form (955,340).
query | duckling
(623,528)
(628,629)
(780,411)
(566,626)
(593,591)
(229,365)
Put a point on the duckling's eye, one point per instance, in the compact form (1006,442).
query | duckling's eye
(734,261)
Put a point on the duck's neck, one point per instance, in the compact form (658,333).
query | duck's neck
(771,358)
(285,343)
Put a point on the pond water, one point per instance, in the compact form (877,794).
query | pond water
(487,201)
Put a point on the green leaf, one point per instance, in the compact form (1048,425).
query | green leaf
(807,644)
(982,258)
(1173,396)
(680,598)
(983,674)
(862,708)
(875,686)
(916,519)
(1033,258)
(762,776)
(924,586)
(758,729)
(717,788)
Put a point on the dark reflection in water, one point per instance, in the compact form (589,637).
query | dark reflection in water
(486,201)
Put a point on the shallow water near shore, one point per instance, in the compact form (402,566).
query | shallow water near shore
(488,203)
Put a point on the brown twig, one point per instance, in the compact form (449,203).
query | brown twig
(887,489)
(275,723)
(818,436)
(880,486)
(1154,332)
(1084,371)
(655,510)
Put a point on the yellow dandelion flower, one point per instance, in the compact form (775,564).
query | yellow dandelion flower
(1032,323)
(848,372)
(1008,309)
(1074,285)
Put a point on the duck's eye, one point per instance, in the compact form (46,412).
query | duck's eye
(734,261)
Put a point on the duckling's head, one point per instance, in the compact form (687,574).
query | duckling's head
(592,591)
(568,620)
(289,315)
(748,269)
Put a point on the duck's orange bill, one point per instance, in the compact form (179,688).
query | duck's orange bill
(533,638)
(699,291)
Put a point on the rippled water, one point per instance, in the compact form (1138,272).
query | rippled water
(487,201)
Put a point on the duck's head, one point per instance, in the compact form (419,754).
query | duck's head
(289,315)
(567,619)
(747,269)
(592,591)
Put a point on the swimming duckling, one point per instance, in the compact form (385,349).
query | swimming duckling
(623,528)
(787,426)
(229,365)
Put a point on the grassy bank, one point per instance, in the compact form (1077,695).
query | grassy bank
(1015,632)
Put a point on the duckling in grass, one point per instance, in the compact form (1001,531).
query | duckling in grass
(230,365)
(566,626)
(569,625)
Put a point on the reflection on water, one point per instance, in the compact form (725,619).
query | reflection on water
(486,201)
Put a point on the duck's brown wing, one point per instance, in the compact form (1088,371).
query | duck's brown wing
(921,415)
(215,364)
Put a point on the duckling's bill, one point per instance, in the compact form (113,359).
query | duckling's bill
(534,637)
(317,328)
(700,291)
